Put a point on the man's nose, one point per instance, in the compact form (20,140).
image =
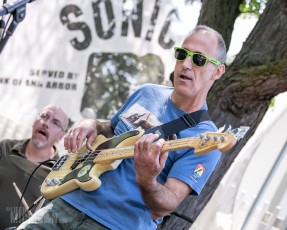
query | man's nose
(187,63)
(46,122)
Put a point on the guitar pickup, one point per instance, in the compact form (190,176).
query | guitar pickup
(80,160)
(60,162)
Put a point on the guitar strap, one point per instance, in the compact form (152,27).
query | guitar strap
(186,121)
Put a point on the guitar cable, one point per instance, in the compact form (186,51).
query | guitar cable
(25,189)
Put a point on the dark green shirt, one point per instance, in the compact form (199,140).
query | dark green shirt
(14,167)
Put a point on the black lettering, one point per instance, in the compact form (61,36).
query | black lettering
(34,72)
(44,72)
(4,80)
(61,85)
(136,18)
(163,33)
(51,73)
(104,34)
(55,74)
(48,85)
(153,19)
(15,82)
(82,26)
(61,74)
(54,85)
(70,76)
(34,83)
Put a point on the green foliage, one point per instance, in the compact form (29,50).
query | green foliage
(111,77)
(272,103)
(254,7)
(188,2)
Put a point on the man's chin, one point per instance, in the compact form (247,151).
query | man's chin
(39,144)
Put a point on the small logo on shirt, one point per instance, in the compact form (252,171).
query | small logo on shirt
(198,172)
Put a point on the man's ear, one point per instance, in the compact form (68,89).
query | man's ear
(61,136)
(218,72)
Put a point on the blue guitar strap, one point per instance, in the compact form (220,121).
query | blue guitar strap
(189,120)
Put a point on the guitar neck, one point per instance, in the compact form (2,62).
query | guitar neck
(108,155)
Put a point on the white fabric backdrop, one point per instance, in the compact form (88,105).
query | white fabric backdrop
(40,66)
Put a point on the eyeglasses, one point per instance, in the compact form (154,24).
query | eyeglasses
(198,59)
(54,122)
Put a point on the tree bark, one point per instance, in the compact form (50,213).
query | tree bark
(220,15)
(243,94)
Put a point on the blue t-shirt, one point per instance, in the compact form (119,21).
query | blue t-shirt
(117,203)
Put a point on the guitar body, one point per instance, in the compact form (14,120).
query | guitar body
(79,170)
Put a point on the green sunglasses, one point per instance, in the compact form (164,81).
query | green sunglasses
(198,59)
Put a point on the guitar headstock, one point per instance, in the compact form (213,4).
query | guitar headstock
(222,141)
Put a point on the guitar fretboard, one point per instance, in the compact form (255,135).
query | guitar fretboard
(128,152)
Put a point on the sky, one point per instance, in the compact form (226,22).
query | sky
(242,29)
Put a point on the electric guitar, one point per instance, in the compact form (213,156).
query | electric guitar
(82,169)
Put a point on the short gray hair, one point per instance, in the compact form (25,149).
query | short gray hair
(221,47)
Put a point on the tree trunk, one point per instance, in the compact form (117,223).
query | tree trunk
(220,15)
(242,95)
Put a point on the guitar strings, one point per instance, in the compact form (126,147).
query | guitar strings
(87,156)
(92,154)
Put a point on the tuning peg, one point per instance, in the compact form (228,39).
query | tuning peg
(228,130)
(220,130)
(223,129)
(223,139)
(240,132)
(201,136)
(208,137)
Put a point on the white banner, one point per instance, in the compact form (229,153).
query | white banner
(79,54)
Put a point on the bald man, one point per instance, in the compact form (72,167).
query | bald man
(48,128)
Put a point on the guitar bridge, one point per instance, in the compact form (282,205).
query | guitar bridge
(53,182)
(80,160)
